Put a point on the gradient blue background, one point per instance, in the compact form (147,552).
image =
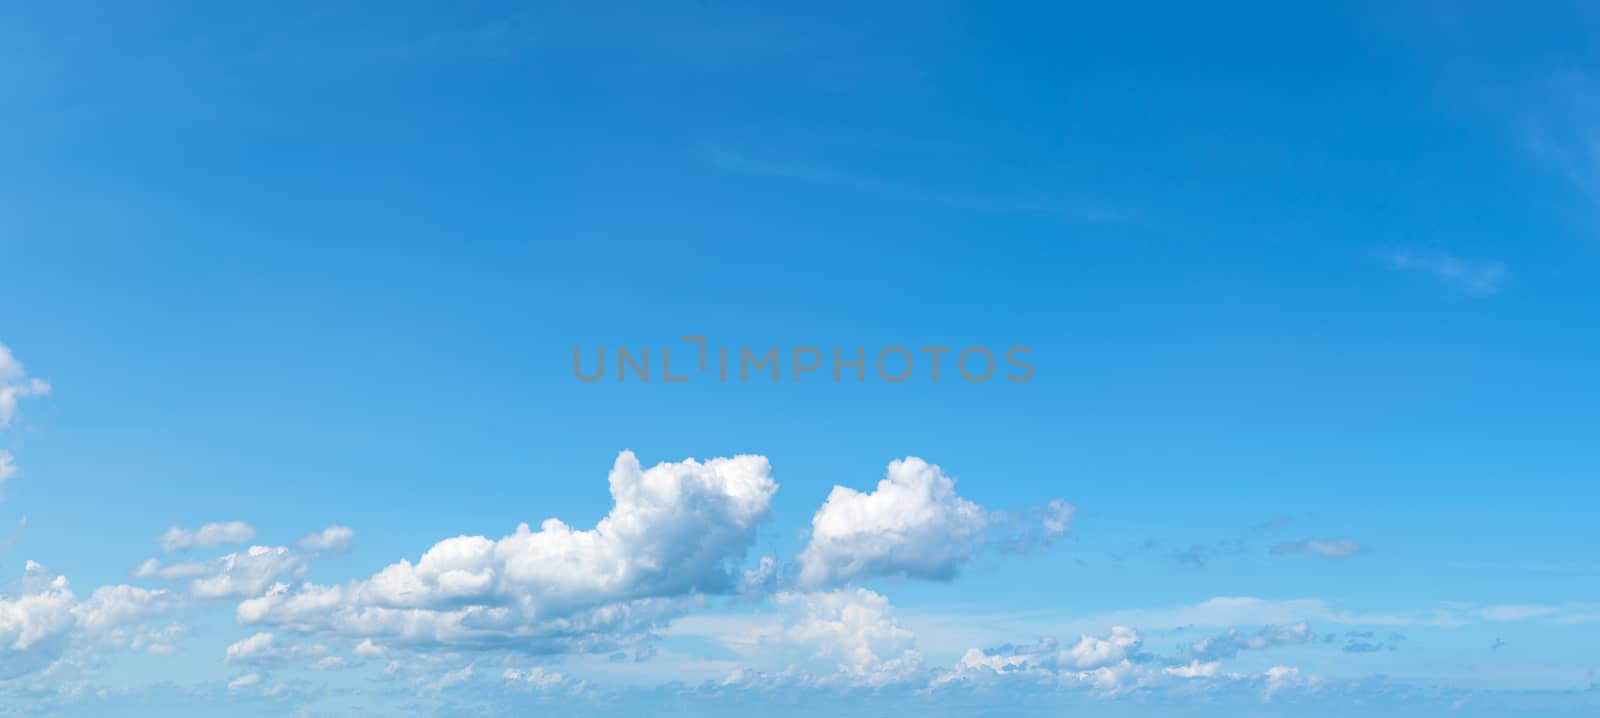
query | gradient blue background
(304,264)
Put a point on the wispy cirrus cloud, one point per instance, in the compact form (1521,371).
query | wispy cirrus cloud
(1473,277)
(1557,118)
(1326,548)
(1076,210)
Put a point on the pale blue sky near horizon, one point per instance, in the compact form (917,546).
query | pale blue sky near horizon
(1287,273)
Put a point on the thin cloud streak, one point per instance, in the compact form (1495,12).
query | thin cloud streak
(1479,278)
(1077,211)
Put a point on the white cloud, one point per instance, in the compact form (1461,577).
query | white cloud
(537,679)
(1104,665)
(264,647)
(35,625)
(116,615)
(332,538)
(238,574)
(328,663)
(1194,669)
(1472,277)
(854,626)
(1091,652)
(1280,678)
(244,681)
(845,638)
(1326,548)
(254,648)
(674,531)
(912,525)
(762,579)
(44,619)
(453,678)
(368,649)
(207,536)
(15,384)
(1088,652)
(1057,517)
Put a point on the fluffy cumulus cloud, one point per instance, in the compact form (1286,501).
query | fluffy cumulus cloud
(675,531)
(235,575)
(207,536)
(912,525)
(332,538)
(44,620)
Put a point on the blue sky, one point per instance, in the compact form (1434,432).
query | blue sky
(1307,293)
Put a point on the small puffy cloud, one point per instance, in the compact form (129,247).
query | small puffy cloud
(1481,278)
(1194,669)
(1091,652)
(264,647)
(207,536)
(674,531)
(912,525)
(1326,548)
(328,663)
(762,579)
(1057,517)
(15,384)
(538,680)
(332,538)
(238,574)
(254,648)
(244,681)
(367,649)
(1280,678)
